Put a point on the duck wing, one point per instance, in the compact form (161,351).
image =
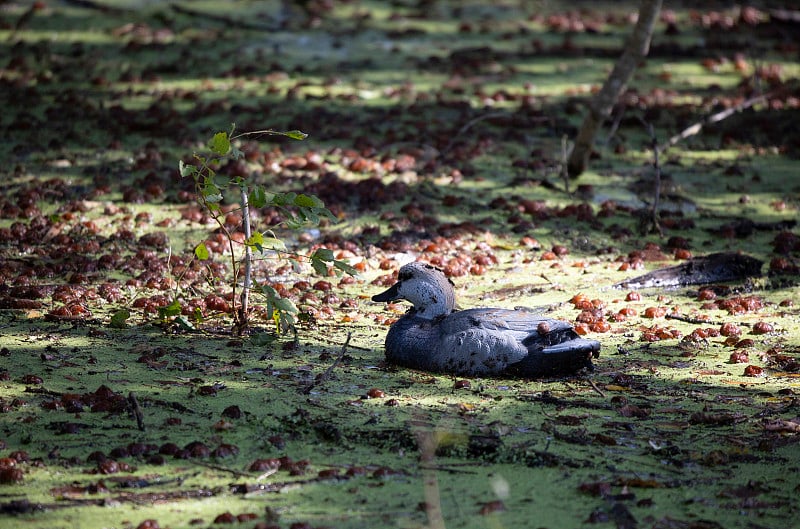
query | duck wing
(523,324)
(518,342)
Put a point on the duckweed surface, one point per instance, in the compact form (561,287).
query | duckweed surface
(436,132)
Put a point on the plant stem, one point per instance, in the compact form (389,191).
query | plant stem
(248,260)
(655,226)
(216,214)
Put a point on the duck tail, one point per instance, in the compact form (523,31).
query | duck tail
(558,354)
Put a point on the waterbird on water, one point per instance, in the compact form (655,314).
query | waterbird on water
(434,336)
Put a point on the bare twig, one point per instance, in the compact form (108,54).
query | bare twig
(448,468)
(564,161)
(89,4)
(323,326)
(321,378)
(23,21)
(264,475)
(136,410)
(229,22)
(597,389)
(654,224)
(612,130)
(713,118)
(700,321)
(468,125)
(223,469)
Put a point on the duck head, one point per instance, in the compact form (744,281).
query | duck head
(426,287)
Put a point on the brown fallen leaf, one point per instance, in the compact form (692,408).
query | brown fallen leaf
(639,483)
(783,425)
(749,490)
(595,488)
(491,507)
(631,410)
(715,419)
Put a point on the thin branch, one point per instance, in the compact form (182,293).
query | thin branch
(597,389)
(136,410)
(267,473)
(564,161)
(320,379)
(221,468)
(657,180)
(699,321)
(612,130)
(713,118)
(89,4)
(447,468)
(471,123)
(229,22)
(270,132)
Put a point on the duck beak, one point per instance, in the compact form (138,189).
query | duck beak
(389,295)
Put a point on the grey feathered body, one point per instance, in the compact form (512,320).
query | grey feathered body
(433,336)
(488,341)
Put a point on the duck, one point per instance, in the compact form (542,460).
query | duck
(434,336)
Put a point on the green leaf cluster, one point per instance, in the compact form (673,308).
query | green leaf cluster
(322,256)
(281,310)
(298,210)
(301,209)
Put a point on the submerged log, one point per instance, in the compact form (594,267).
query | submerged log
(712,268)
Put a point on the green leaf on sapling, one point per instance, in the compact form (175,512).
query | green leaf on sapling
(257,197)
(256,241)
(329,214)
(201,252)
(220,143)
(262,338)
(310,215)
(320,259)
(320,267)
(285,305)
(293,222)
(210,191)
(173,309)
(282,199)
(295,134)
(186,169)
(346,268)
(307,201)
(120,319)
(273,243)
(323,254)
(184,323)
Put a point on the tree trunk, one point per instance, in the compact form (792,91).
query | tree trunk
(602,103)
